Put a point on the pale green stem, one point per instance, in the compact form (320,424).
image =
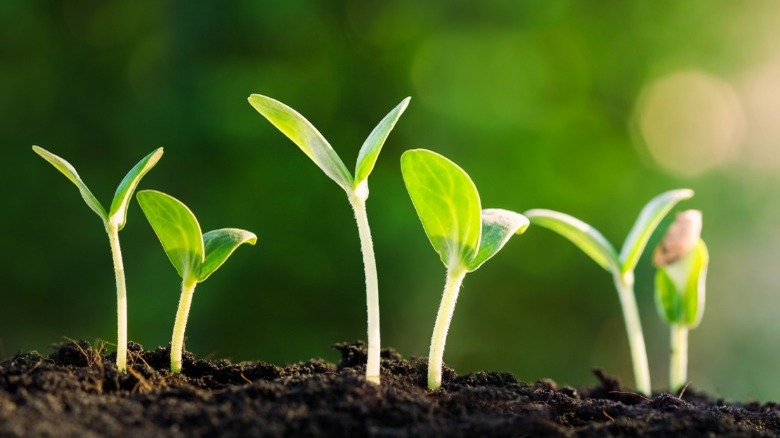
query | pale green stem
(443,318)
(372,289)
(636,341)
(121,298)
(177,341)
(678,360)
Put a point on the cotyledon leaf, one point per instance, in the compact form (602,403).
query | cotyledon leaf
(498,226)
(70,172)
(177,229)
(649,218)
(305,136)
(118,211)
(373,144)
(219,245)
(447,204)
(584,236)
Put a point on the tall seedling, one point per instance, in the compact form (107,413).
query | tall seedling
(621,266)
(314,145)
(113,221)
(194,255)
(464,235)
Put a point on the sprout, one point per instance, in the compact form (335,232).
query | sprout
(681,259)
(621,266)
(314,145)
(194,255)
(464,235)
(113,220)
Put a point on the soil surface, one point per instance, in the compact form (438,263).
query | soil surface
(77,392)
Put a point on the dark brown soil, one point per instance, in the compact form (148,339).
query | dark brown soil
(77,392)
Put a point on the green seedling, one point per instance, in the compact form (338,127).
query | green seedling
(114,220)
(681,259)
(463,234)
(194,255)
(314,145)
(621,265)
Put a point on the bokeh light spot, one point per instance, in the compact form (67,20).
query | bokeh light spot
(690,121)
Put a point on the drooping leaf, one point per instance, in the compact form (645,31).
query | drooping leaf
(649,218)
(584,236)
(498,226)
(177,229)
(447,203)
(70,172)
(219,245)
(373,144)
(306,136)
(118,211)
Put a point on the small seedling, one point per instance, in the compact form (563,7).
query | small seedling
(314,145)
(113,220)
(681,259)
(464,235)
(194,255)
(621,266)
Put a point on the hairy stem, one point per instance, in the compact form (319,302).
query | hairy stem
(678,359)
(121,298)
(177,341)
(636,341)
(372,289)
(443,319)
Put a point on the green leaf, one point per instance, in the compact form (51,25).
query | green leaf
(447,203)
(649,218)
(118,212)
(373,144)
(68,170)
(667,297)
(219,245)
(680,287)
(497,227)
(306,136)
(177,229)
(587,238)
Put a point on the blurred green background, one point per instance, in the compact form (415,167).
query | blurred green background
(583,108)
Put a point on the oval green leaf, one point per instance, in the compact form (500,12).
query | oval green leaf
(667,297)
(70,172)
(648,220)
(373,144)
(118,212)
(219,245)
(498,226)
(447,204)
(177,229)
(680,288)
(584,236)
(306,136)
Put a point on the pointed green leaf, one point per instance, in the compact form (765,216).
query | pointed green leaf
(667,297)
(118,212)
(373,144)
(63,166)
(498,226)
(177,229)
(447,203)
(680,287)
(219,245)
(585,237)
(306,136)
(649,218)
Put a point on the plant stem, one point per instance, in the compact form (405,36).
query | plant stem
(678,359)
(443,318)
(177,341)
(121,298)
(372,289)
(624,282)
